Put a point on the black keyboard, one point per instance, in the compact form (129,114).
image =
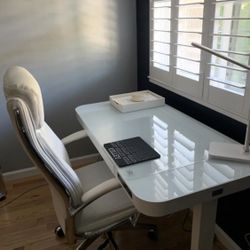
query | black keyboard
(130,151)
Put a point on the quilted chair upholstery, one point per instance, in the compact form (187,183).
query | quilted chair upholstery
(88,201)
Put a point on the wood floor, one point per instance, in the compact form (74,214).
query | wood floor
(28,224)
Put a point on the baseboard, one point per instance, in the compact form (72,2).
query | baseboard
(32,171)
(225,239)
(19,174)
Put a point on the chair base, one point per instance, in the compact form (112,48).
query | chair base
(86,243)
(152,234)
(59,232)
(110,240)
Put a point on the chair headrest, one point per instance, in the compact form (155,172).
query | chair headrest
(20,84)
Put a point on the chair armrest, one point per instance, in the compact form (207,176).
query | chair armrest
(74,137)
(98,191)
(95,193)
(85,160)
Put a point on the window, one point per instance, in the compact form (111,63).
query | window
(223,25)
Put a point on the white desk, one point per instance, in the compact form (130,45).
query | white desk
(182,178)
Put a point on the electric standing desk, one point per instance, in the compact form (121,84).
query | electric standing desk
(183,177)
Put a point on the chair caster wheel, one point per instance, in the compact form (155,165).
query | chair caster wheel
(153,233)
(59,232)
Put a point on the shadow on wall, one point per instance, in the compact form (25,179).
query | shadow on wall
(79,51)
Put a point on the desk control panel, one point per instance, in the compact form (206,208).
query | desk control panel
(130,151)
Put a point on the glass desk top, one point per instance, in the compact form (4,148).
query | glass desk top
(182,142)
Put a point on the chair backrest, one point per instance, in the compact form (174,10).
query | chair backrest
(25,107)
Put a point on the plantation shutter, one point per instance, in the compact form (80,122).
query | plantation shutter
(224,26)
(230,36)
(188,75)
(160,41)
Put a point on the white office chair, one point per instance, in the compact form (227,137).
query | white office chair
(87,201)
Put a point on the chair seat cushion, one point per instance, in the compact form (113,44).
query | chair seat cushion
(106,210)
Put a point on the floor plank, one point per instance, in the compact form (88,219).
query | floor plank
(28,223)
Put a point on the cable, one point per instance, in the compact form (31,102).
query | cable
(188,230)
(20,195)
(247,238)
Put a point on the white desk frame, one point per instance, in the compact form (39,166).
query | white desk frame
(182,178)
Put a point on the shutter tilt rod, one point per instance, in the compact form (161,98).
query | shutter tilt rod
(220,55)
(229,151)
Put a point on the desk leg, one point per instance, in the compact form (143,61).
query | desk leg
(203,226)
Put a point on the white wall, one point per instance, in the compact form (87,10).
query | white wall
(80,51)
